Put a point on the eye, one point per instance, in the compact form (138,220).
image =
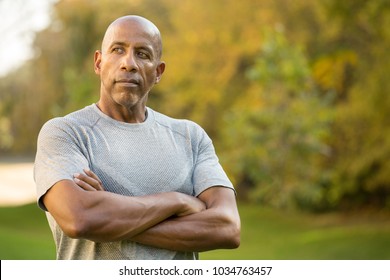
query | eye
(118,50)
(143,55)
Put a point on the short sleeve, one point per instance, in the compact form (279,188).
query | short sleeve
(58,156)
(208,172)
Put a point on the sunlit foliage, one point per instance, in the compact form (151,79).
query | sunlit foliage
(295,94)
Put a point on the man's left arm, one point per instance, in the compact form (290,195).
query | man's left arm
(217,227)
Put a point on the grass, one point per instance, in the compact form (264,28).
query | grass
(25,234)
(278,235)
(266,234)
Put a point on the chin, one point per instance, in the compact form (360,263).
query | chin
(129,99)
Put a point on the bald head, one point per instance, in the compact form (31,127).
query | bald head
(134,22)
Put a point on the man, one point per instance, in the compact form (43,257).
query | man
(119,180)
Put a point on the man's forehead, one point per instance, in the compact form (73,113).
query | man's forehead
(134,25)
(124,29)
(126,35)
(143,23)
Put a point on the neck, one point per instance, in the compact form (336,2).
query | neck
(135,114)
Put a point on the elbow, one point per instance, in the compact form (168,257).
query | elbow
(234,236)
(75,228)
(231,234)
(74,231)
(236,241)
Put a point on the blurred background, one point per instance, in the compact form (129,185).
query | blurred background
(294,94)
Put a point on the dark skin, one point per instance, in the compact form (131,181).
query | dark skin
(129,66)
(211,228)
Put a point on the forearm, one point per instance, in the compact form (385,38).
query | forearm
(103,216)
(204,231)
(115,217)
(218,227)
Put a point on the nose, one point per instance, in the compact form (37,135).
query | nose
(129,62)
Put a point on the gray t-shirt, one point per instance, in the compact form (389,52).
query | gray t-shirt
(159,155)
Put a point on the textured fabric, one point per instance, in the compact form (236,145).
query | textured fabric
(159,155)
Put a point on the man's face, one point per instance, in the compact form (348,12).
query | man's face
(128,65)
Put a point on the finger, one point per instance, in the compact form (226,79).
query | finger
(90,173)
(88,180)
(94,176)
(84,185)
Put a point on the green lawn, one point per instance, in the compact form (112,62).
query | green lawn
(266,234)
(25,234)
(279,235)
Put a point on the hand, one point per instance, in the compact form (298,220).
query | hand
(88,181)
(191,205)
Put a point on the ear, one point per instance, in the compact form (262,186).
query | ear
(97,61)
(159,71)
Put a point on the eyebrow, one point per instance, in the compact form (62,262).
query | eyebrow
(123,44)
(117,43)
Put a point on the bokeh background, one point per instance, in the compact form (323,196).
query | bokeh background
(294,94)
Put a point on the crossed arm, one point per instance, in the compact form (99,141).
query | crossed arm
(171,220)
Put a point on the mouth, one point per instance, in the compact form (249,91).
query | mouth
(127,82)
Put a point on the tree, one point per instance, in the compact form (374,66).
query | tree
(276,134)
(293,93)
(360,146)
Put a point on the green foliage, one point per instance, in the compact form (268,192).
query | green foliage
(6,139)
(274,144)
(360,144)
(295,94)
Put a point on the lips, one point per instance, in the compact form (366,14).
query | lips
(127,81)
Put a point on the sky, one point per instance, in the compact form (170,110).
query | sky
(19,21)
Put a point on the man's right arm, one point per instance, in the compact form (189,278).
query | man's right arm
(104,216)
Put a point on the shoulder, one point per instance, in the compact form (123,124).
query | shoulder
(180,126)
(69,123)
